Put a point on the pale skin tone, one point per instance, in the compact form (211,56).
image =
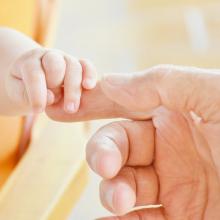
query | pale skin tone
(33,78)
(167,154)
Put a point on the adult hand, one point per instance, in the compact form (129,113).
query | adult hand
(168,154)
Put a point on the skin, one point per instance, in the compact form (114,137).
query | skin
(167,153)
(33,78)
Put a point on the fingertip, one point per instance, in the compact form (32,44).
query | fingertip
(72,101)
(104,157)
(118,197)
(89,74)
(71,107)
(89,83)
(124,199)
(106,164)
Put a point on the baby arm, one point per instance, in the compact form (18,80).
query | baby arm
(33,77)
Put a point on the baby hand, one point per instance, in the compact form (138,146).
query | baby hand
(43,77)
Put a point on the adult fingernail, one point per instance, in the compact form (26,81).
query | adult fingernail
(109,197)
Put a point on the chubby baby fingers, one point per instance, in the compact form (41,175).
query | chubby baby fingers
(89,74)
(54,65)
(35,84)
(28,72)
(72,84)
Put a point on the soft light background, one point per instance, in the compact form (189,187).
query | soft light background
(129,35)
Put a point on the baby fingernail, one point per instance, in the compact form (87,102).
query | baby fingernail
(50,97)
(70,107)
(89,83)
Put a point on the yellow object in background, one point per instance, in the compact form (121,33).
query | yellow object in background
(35,18)
(10,133)
(49,179)
(19,14)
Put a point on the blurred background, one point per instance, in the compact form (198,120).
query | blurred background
(130,35)
(127,35)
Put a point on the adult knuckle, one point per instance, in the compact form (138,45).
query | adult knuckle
(162,70)
(159,72)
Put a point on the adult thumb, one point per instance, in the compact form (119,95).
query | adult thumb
(177,88)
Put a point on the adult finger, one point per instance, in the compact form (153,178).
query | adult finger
(132,187)
(178,88)
(129,143)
